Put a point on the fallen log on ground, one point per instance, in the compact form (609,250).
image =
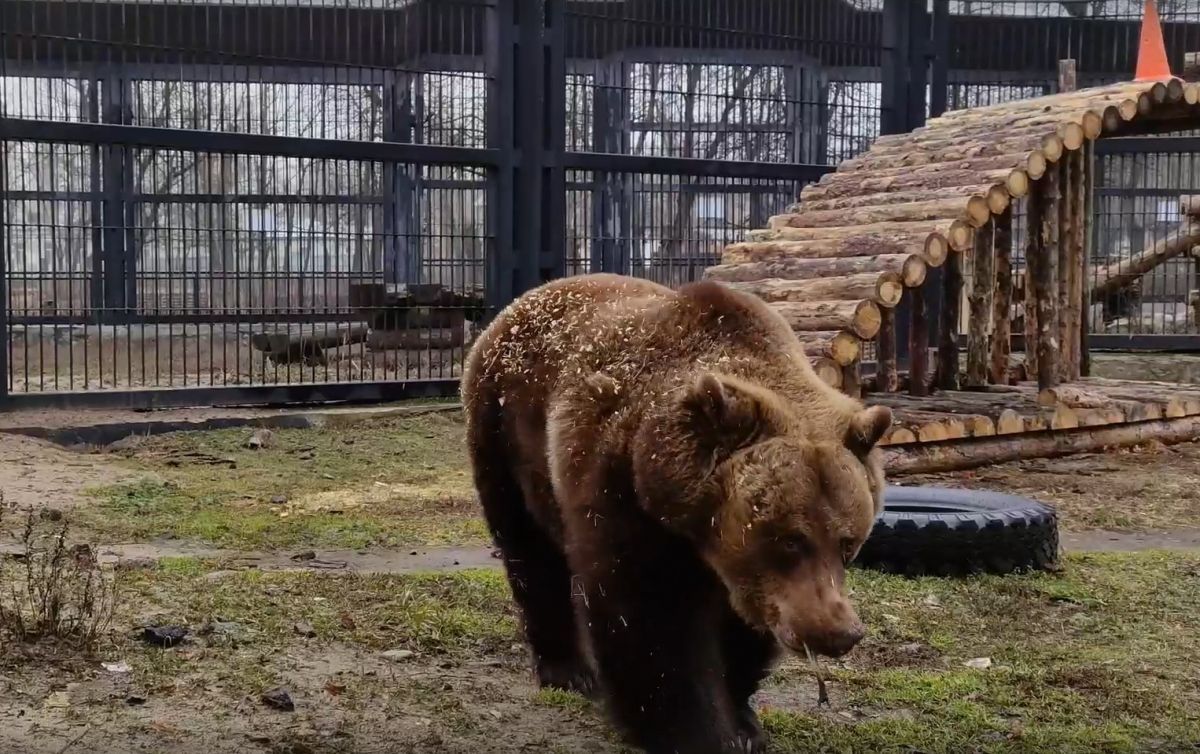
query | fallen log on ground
(306,348)
(984,451)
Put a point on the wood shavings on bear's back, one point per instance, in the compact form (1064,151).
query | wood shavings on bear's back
(637,338)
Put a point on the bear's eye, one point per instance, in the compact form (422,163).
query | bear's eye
(795,544)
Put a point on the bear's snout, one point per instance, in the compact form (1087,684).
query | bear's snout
(827,625)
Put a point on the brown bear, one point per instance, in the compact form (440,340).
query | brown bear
(675,494)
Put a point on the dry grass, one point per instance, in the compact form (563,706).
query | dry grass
(49,589)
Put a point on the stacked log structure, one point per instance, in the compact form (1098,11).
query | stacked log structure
(862,239)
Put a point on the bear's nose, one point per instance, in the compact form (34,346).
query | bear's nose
(838,642)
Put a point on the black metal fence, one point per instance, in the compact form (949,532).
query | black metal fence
(242,200)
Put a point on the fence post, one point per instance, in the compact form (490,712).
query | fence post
(498,64)
(5,336)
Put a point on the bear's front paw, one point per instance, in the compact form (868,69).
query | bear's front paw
(750,734)
(568,676)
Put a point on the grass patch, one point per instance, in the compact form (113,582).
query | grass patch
(396,482)
(1101,657)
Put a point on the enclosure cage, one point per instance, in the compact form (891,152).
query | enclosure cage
(229,201)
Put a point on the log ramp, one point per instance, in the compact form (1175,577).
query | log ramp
(861,240)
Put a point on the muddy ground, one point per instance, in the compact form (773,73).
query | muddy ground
(348,566)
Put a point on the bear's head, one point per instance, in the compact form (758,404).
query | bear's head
(778,496)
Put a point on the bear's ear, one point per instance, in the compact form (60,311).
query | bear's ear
(725,415)
(867,428)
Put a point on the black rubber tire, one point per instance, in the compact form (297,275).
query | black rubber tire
(948,532)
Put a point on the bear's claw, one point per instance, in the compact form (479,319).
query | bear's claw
(568,677)
(750,736)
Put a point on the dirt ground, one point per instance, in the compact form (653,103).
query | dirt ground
(348,565)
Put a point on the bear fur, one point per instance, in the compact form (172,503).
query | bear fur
(675,494)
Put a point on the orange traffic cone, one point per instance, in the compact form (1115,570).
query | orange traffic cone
(1152,62)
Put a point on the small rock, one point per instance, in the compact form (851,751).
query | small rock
(304,629)
(116,667)
(979,663)
(164,636)
(911,648)
(306,555)
(135,564)
(261,438)
(133,700)
(126,443)
(51,514)
(278,499)
(397,655)
(347,621)
(497,554)
(496,714)
(932,600)
(280,699)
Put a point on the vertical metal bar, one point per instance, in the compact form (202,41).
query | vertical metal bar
(529,140)
(499,64)
(5,335)
(554,133)
(939,58)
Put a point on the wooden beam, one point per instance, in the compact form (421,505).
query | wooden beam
(1068,330)
(979,324)
(1002,299)
(1043,264)
(888,377)
(947,355)
(918,344)
(985,451)
(1034,252)
(1067,79)
(1088,220)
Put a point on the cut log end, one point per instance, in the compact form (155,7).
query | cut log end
(1017,183)
(889,289)
(998,199)
(1052,147)
(1035,165)
(1093,125)
(828,371)
(979,211)
(936,249)
(914,271)
(961,235)
(1072,136)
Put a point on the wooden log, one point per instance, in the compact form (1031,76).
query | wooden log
(930,426)
(1076,310)
(1067,79)
(1112,278)
(918,344)
(932,248)
(1065,261)
(1044,140)
(995,194)
(947,356)
(1001,345)
(859,317)
(1089,170)
(884,288)
(866,240)
(888,376)
(828,371)
(841,346)
(979,324)
(852,380)
(969,454)
(1072,396)
(1044,278)
(949,175)
(1034,250)
(898,435)
(974,208)
(1053,102)
(306,348)
(911,268)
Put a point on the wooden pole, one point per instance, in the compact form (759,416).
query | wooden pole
(1077,309)
(1066,75)
(1002,300)
(1065,248)
(947,357)
(1088,219)
(979,326)
(1034,251)
(918,344)
(889,377)
(1044,264)
(852,380)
